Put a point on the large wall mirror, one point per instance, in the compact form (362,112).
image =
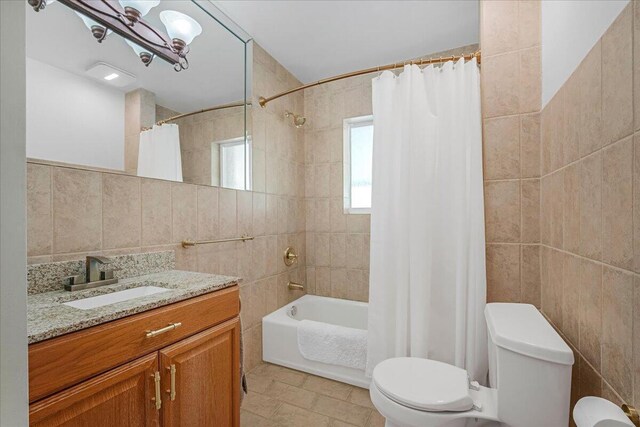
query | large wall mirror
(149,88)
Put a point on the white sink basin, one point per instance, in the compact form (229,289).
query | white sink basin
(114,297)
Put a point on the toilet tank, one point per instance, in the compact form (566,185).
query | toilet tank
(529,365)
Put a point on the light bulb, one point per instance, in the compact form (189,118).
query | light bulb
(142,6)
(180,26)
(136,47)
(145,56)
(90,23)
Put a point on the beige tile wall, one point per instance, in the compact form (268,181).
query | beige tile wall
(196,135)
(590,216)
(75,212)
(337,243)
(511,88)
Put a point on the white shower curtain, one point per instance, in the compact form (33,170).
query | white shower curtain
(159,153)
(427,274)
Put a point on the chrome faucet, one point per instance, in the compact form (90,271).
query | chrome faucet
(93,276)
(92,272)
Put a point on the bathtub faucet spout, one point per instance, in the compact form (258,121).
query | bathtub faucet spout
(295,286)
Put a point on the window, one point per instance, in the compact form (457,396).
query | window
(229,167)
(358,158)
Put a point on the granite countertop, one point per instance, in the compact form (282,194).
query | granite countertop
(48,317)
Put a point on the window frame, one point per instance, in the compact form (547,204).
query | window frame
(348,124)
(248,158)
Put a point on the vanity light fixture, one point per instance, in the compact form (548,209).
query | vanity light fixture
(181,28)
(145,57)
(136,9)
(38,5)
(99,32)
(125,17)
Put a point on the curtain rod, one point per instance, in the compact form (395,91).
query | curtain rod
(180,116)
(263,101)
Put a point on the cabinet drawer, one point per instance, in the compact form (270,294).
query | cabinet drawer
(61,362)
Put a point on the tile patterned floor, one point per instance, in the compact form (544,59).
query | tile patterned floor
(280,397)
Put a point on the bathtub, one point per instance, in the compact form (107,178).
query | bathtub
(280,336)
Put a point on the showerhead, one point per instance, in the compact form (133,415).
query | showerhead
(298,120)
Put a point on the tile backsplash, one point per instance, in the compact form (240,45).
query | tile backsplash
(49,276)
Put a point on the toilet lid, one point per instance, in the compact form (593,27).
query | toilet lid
(423,384)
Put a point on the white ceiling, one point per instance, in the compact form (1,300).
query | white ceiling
(58,37)
(317,39)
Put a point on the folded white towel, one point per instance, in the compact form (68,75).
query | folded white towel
(333,344)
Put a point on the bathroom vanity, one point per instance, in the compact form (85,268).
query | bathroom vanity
(171,358)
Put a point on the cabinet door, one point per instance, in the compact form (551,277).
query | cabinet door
(205,390)
(124,397)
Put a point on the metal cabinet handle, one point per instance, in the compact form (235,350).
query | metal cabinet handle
(169,327)
(158,399)
(172,390)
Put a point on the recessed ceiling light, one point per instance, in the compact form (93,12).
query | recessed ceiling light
(110,75)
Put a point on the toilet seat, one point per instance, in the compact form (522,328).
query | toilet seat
(423,384)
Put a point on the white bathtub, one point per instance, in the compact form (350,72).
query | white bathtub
(280,336)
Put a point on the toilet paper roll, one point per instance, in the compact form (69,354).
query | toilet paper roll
(597,412)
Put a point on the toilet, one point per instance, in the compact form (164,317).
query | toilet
(529,378)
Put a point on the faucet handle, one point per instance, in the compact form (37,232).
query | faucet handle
(290,256)
(74,279)
(108,274)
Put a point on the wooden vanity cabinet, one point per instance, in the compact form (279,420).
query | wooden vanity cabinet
(190,381)
(123,393)
(204,394)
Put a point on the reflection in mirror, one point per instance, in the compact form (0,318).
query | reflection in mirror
(102,95)
(231,163)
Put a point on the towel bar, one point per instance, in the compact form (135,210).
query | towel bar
(188,242)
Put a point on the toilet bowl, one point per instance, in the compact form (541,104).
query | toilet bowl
(529,376)
(420,392)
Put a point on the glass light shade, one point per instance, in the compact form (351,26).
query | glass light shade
(180,26)
(142,6)
(90,22)
(48,2)
(136,47)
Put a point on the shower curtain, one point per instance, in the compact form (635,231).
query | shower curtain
(427,275)
(159,153)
